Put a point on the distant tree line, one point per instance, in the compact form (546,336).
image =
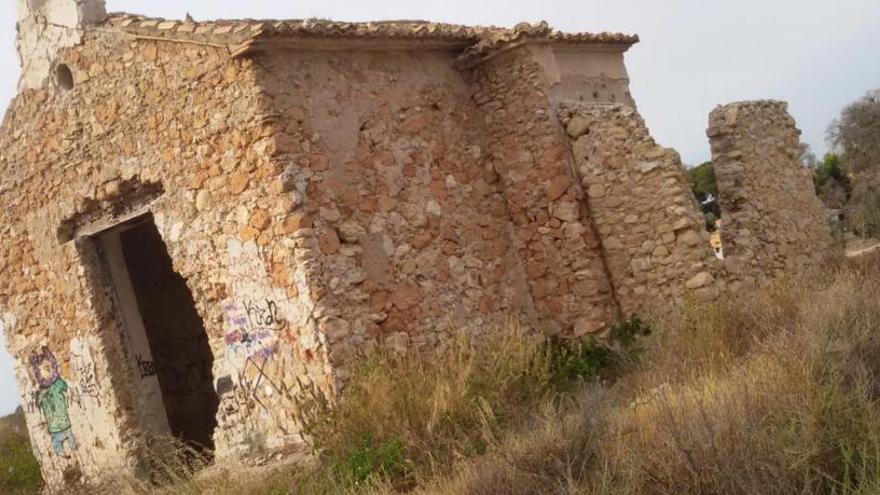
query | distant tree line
(849,177)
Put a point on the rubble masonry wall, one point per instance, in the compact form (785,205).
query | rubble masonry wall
(652,231)
(389,156)
(554,232)
(773,222)
(183,131)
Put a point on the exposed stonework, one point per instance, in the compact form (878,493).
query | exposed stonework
(773,221)
(553,232)
(651,228)
(214,216)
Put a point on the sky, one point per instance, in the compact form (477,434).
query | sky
(818,55)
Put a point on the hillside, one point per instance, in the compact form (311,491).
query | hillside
(19,471)
(773,391)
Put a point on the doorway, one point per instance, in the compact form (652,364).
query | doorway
(166,336)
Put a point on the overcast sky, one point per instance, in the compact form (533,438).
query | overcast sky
(695,54)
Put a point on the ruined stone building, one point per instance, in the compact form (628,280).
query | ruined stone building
(202,218)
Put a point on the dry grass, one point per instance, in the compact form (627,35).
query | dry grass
(773,391)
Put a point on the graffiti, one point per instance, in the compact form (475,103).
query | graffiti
(264,316)
(258,330)
(251,332)
(51,398)
(86,386)
(145,367)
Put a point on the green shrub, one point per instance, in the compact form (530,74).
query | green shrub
(19,470)
(371,458)
(573,361)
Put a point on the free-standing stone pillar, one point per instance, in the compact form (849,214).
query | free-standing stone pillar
(773,222)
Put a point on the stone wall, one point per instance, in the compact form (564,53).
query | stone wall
(554,232)
(180,130)
(652,231)
(45,27)
(773,223)
(323,200)
(387,155)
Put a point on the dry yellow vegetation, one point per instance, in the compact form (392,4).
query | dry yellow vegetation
(773,391)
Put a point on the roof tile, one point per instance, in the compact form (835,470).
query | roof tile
(476,41)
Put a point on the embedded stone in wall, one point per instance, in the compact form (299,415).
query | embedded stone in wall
(656,247)
(773,222)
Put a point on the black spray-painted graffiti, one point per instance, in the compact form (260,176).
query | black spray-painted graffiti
(252,333)
(51,398)
(145,366)
(264,315)
(87,386)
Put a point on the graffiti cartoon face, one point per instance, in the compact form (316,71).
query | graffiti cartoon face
(51,399)
(44,367)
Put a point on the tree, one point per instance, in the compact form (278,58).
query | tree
(705,189)
(808,158)
(856,134)
(832,182)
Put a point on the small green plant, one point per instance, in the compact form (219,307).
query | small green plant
(20,470)
(372,458)
(572,361)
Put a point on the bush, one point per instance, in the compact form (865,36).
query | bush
(775,391)
(404,419)
(867,221)
(769,391)
(19,470)
(572,361)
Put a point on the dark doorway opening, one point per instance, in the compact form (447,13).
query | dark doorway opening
(181,355)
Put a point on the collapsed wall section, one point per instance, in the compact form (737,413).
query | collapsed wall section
(773,222)
(652,231)
(553,230)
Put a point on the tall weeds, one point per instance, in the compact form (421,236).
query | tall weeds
(770,391)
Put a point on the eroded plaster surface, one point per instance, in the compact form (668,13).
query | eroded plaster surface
(45,27)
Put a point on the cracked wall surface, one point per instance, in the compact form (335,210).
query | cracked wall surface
(554,232)
(45,27)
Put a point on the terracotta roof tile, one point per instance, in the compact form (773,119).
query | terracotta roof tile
(476,42)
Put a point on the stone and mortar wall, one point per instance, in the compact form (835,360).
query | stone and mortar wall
(387,154)
(189,126)
(773,223)
(321,204)
(554,232)
(652,231)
